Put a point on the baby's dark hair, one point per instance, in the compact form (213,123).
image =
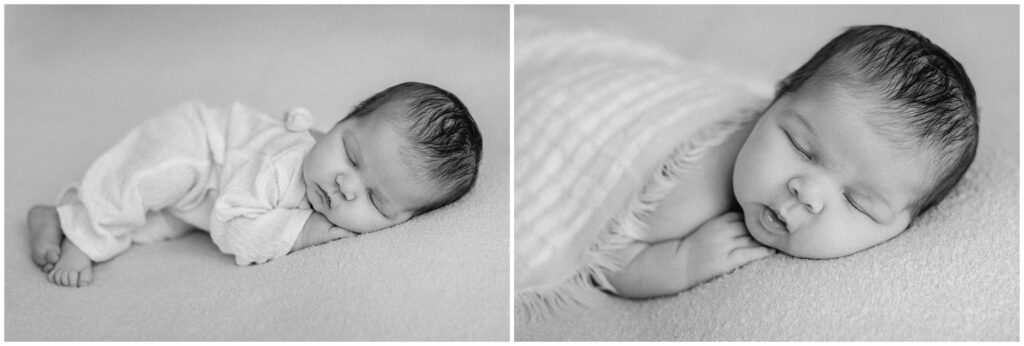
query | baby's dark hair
(928,99)
(446,144)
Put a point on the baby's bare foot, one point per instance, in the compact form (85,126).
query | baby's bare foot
(74,268)
(44,235)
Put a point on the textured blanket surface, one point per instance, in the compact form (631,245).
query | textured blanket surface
(78,78)
(953,276)
(596,115)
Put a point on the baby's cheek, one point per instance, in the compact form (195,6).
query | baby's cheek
(827,240)
(743,185)
(362,223)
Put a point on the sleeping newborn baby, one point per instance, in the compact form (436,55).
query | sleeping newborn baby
(874,130)
(262,186)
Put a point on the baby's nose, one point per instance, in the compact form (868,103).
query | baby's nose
(807,193)
(349,187)
(347,195)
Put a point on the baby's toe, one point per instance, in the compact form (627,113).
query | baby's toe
(48,268)
(52,255)
(65,279)
(44,256)
(38,258)
(73,279)
(55,276)
(85,277)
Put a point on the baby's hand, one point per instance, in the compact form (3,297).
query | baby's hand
(719,246)
(319,230)
(336,233)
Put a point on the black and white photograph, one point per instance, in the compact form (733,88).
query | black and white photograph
(511,172)
(257,173)
(766,173)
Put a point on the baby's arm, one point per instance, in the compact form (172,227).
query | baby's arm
(318,230)
(717,247)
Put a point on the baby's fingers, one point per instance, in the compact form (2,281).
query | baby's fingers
(745,240)
(743,255)
(338,233)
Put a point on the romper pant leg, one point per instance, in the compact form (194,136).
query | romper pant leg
(162,166)
(160,225)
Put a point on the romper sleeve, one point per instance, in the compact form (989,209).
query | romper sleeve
(261,208)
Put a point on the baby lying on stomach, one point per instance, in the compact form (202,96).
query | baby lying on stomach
(262,186)
(874,130)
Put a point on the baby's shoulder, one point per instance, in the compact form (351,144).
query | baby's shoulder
(703,190)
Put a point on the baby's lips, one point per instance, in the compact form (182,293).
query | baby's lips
(782,218)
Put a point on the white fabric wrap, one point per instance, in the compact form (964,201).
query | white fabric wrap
(235,172)
(262,205)
(596,117)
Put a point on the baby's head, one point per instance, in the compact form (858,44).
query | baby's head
(871,132)
(405,151)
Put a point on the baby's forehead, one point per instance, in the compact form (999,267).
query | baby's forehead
(906,144)
(871,105)
(909,169)
(394,167)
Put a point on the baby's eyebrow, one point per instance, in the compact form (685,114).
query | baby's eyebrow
(802,119)
(876,198)
(352,147)
(347,147)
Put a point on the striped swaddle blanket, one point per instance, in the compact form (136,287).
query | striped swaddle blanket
(596,117)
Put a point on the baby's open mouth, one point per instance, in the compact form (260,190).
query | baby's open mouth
(773,221)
